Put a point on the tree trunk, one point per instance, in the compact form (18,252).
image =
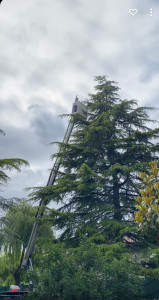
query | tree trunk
(16,272)
(116,202)
(16,275)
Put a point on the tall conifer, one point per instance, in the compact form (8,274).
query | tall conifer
(98,182)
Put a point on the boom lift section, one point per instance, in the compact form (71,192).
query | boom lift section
(77,108)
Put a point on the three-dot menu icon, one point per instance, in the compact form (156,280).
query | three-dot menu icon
(134,11)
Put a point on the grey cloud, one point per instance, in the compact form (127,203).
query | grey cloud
(9,105)
(21,181)
(47,126)
(23,143)
(50,51)
(19,143)
(149,70)
(37,79)
(5,68)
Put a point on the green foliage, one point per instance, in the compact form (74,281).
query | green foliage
(147,215)
(10,164)
(7,266)
(95,191)
(100,164)
(16,226)
(11,232)
(86,272)
(15,230)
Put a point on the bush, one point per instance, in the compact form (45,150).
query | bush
(84,273)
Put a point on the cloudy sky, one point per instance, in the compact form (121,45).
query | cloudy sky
(50,51)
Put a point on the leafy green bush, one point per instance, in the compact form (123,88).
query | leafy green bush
(84,273)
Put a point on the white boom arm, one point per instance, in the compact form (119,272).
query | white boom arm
(77,108)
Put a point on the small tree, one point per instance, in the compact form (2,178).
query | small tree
(147,215)
(15,231)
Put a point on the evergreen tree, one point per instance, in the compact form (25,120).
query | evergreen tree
(99,180)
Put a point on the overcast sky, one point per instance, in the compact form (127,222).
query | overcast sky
(50,51)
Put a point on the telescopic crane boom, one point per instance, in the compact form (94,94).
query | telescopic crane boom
(77,108)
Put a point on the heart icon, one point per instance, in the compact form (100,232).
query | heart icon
(133,11)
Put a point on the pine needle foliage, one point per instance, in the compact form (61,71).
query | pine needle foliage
(99,178)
